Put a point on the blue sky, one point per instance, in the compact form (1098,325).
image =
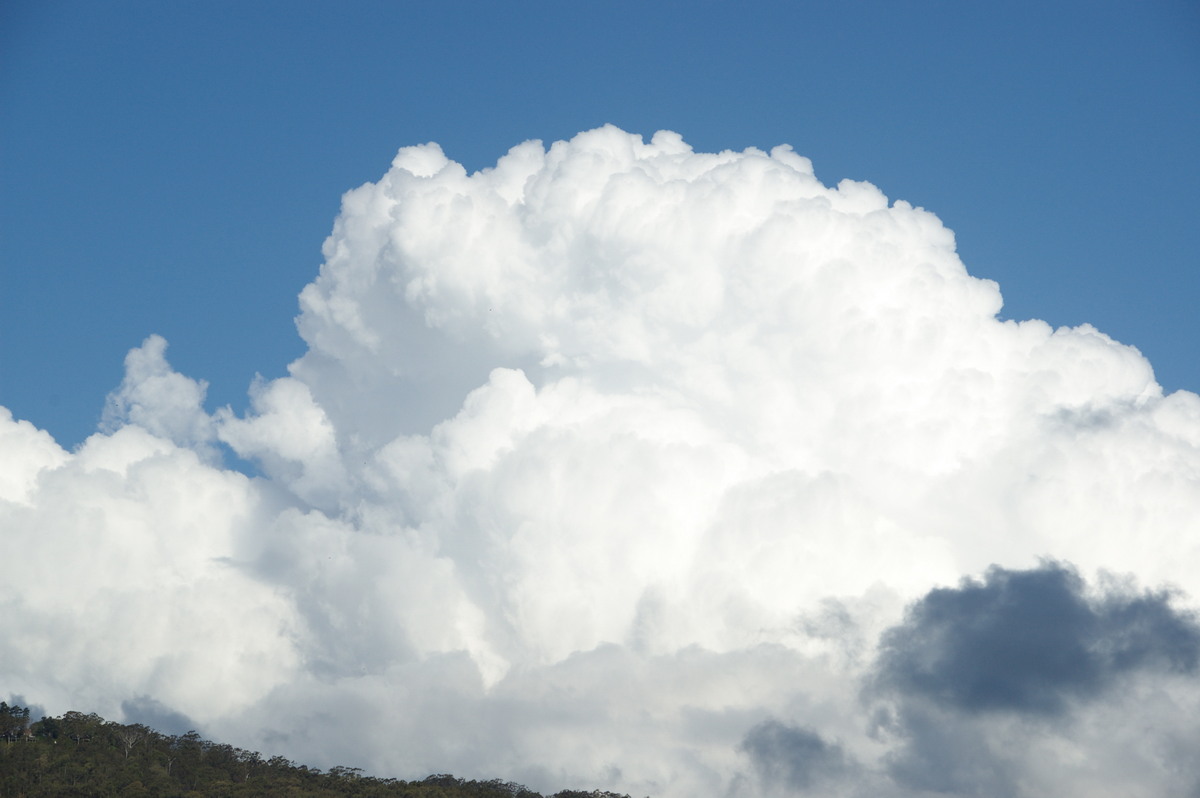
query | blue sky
(173,168)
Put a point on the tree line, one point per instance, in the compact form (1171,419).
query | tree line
(77,754)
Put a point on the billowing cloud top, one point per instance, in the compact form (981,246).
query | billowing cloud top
(610,466)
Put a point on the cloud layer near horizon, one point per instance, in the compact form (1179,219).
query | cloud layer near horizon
(612,465)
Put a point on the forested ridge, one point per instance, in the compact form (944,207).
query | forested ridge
(79,754)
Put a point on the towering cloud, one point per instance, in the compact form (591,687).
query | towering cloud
(617,464)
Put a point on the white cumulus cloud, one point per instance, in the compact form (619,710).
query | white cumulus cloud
(609,466)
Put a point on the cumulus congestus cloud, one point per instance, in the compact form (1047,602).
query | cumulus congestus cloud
(617,464)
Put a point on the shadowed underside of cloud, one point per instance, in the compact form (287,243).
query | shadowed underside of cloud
(1030,641)
(149,712)
(792,758)
(996,680)
(612,464)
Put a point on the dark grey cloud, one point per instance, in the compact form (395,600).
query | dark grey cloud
(793,757)
(156,715)
(36,711)
(982,681)
(941,756)
(1030,641)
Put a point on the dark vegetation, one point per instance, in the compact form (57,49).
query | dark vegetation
(84,755)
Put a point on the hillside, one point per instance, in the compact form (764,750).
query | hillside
(79,754)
